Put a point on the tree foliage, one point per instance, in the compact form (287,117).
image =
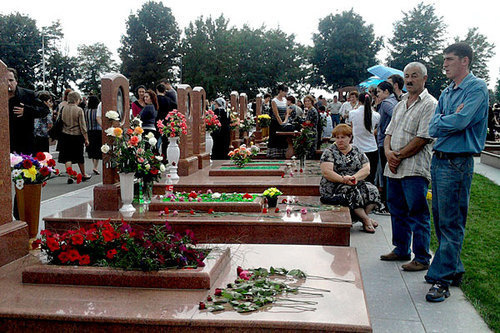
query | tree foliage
(419,36)
(483,51)
(19,45)
(62,70)
(149,48)
(93,61)
(344,48)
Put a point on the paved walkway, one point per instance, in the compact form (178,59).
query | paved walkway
(396,299)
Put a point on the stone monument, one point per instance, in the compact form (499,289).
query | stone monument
(13,234)
(243,104)
(188,163)
(235,134)
(258,111)
(199,132)
(114,96)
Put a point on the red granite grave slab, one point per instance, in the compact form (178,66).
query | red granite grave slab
(231,171)
(199,278)
(258,163)
(326,227)
(300,184)
(247,206)
(13,241)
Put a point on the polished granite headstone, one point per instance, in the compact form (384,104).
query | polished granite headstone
(235,108)
(258,130)
(199,145)
(29,307)
(188,162)
(243,105)
(115,96)
(251,170)
(13,234)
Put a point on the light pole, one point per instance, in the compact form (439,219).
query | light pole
(43,59)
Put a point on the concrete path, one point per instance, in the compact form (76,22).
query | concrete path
(396,299)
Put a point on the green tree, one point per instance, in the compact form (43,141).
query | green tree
(419,36)
(150,46)
(497,91)
(93,61)
(483,51)
(61,72)
(344,48)
(19,46)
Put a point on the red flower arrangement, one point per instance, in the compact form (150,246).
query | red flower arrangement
(173,125)
(212,122)
(118,245)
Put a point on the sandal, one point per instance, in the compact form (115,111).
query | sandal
(96,172)
(368,229)
(374,223)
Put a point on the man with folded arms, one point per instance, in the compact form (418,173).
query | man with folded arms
(408,149)
(459,126)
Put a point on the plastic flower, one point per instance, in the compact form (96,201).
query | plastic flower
(138,130)
(30,173)
(117,132)
(19,184)
(216,195)
(152,141)
(113,115)
(15,159)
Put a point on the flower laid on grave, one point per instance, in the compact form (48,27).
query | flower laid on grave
(212,122)
(264,120)
(272,192)
(208,197)
(243,155)
(26,169)
(247,124)
(254,289)
(235,121)
(126,147)
(149,165)
(303,142)
(107,244)
(173,125)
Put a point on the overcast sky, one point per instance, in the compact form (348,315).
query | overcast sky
(91,21)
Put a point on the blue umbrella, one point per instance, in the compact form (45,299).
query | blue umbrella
(383,72)
(372,81)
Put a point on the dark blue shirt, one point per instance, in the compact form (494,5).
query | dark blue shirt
(148,117)
(385,111)
(463,131)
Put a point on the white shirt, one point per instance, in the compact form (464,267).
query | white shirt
(346,108)
(363,139)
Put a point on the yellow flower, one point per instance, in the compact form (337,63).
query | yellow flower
(117,132)
(429,195)
(138,130)
(30,173)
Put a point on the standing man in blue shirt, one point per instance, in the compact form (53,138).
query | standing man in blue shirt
(459,126)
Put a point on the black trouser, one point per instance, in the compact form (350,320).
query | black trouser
(383,185)
(373,158)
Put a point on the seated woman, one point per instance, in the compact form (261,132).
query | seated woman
(344,168)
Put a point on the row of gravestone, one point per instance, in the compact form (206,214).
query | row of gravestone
(192,103)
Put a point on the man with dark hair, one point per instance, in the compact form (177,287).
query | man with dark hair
(165,105)
(397,84)
(266,104)
(170,91)
(24,107)
(459,125)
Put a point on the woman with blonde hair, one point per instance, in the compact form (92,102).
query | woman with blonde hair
(74,135)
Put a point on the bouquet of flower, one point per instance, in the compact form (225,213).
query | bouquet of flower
(323,118)
(235,121)
(126,146)
(247,124)
(118,245)
(212,122)
(272,192)
(173,125)
(264,120)
(242,155)
(305,140)
(149,165)
(26,169)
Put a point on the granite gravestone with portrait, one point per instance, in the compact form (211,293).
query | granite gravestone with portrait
(199,132)
(188,163)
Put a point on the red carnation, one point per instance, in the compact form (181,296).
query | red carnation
(44,171)
(218,292)
(51,163)
(111,254)
(124,247)
(79,178)
(264,210)
(193,195)
(209,298)
(57,172)
(277,210)
(52,244)
(73,255)
(202,306)
(247,196)
(27,164)
(154,171)
(108,235)
(43,184)
(239,270)
(283,201)
(166,210)
(77,239)
(45,232)
(40,156)
(84,260)
(301,170)
(210,211)
(191,212)
(36,243)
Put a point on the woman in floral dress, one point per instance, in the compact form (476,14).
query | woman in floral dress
(344,168)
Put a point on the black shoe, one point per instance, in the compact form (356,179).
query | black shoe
(437,293)
(70,181)
(85,178)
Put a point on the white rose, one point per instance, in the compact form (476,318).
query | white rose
(147,166)
(216,195)
(162,168)
(150,135)
(105,148)
(109,131)
(113,115)
(159,158)
(152,141)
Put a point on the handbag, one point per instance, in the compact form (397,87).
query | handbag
(56,130)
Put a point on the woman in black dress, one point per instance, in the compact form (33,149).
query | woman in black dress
(94,132)
(222,136)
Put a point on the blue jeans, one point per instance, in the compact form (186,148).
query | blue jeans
(335,119)
(451,182)
(406,199)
